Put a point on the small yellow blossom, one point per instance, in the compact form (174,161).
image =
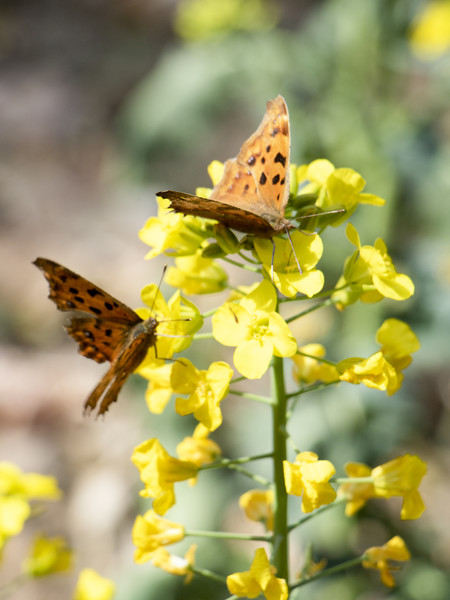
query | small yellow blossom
(173,233)
(150,532)
(176,565)
(178,319)
(198,448)
(430,34)
(92,586)
(379,557)
(369,275)
(336,188)
(402,477)
(286,275)
(356,493)
(383,370)
(14,511)
(309,370)
(258,506)
(202,19)
(260,579)
(159,390)
(399,477)
(159,471)
(206,390)
(256,329)
(197,275)
(308,477)
(48,555)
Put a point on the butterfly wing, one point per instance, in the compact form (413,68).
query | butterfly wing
(257,180)
(98,339)
(70,291)
(231,216)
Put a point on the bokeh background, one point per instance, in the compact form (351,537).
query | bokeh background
(104,103)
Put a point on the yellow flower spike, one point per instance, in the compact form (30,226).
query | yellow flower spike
(309,370)
(206,390)
(356,493)
(92,586)
(258,506)
(48,555)
(379,557)
(150,532)
(197,275)
(402,477)
(370,275)
(286,275)
(308,477)
(159,471)
(260,579)
(176,565)
(257,331)
(178,318)
(171,233)
(430,34)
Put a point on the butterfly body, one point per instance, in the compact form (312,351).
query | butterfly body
(108,330)
(252,194)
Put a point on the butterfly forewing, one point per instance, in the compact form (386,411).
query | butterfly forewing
(255,184)
(70,291)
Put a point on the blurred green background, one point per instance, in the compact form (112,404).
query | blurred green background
(104,103)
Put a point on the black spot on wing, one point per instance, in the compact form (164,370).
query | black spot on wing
(280,158)
(263,178)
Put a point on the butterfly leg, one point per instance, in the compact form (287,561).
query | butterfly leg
(293,250)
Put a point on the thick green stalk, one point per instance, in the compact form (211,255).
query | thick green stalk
(280,538)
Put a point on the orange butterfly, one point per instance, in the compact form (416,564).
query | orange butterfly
(252,195)
(111,331)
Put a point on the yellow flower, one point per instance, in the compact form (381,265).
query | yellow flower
(151,532)
(258,506)
(286,275)
(206,390)
(92,586)
(197,275)
(178,320)
(309,477)
(257,331)
(308,369)
(369,275)
(336,188)
(202,19)
(383,370)
(399,477)
(172,233)
(159,471)
(430,35)
(14,511)
(159,390)
(176,565)
(379,557)
(28,485)
(199,449)
(260,579)
(356,493)
(48,555)
(402,477)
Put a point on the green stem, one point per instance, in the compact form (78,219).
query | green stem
(210,575)
(224,535)
(331,571)
(256,397)
(316,512)
(250,475)
(202,336)
(280,546)
(311,388)
(310,310)
(226,462)
(240,265)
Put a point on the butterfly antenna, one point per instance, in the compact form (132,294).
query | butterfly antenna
(327,212)
(159,287)
(293,250)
